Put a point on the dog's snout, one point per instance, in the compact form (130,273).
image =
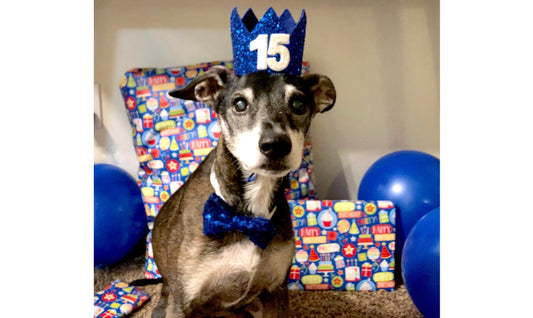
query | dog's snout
(275,146)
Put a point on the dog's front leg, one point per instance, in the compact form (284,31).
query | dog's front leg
(160,310)
(274,304)
(167,306)
(254,309)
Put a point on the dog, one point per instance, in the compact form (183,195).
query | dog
(264,119)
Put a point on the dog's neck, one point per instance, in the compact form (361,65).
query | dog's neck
(254,197)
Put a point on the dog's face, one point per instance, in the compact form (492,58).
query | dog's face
(264,118)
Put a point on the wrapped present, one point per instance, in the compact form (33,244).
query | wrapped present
(118,300)
(343,245)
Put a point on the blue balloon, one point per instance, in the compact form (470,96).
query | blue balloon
(411,180)
(421,264)
(119,217)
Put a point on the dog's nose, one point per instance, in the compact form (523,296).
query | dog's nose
(275,146)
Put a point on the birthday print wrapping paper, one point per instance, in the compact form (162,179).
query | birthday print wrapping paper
(173,136)
(343,245)
(118,300)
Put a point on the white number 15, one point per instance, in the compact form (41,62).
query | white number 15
(274,47)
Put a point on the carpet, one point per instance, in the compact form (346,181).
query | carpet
(303,304)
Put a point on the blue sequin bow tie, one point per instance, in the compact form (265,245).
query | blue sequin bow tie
(219,218)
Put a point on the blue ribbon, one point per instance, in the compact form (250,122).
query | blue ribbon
(219,218)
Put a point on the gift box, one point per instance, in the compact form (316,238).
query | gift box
(343,245)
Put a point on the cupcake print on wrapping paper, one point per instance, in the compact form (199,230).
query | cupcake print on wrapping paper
(172,137)
(343,245)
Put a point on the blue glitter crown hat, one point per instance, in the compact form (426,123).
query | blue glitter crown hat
(273,44)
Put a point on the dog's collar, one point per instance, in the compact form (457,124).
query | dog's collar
(220,218)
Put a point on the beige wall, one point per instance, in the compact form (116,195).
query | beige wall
(383,57)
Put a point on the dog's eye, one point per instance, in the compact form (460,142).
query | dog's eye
(240,105)
(298,106)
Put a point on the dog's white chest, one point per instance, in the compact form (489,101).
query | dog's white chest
(241,258)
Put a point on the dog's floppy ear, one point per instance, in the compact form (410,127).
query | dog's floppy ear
(206,87)
(323,91)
